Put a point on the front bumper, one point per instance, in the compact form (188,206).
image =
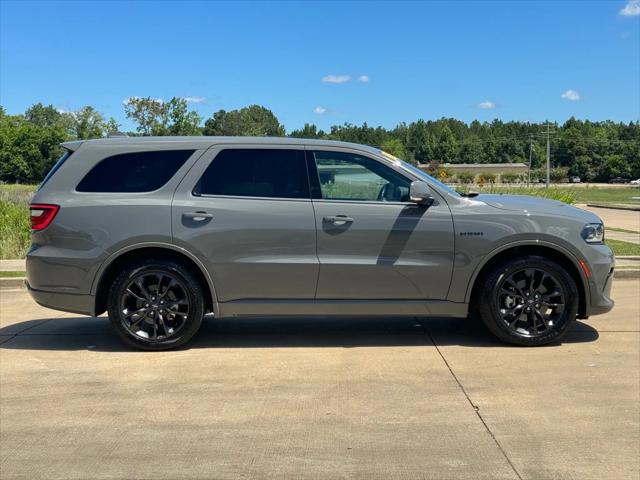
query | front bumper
(67,302)
(602,266)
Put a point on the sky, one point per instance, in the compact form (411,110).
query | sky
(329,62)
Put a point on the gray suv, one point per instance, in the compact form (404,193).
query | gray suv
(160,231)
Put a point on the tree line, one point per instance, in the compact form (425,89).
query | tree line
(594,151)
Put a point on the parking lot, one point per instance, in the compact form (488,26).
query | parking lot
(303,398)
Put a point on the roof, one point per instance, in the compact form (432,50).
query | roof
(205,142)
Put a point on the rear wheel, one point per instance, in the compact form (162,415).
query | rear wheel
(528,301)
(156,305)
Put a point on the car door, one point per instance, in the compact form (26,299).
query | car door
(372,242)
(245,211)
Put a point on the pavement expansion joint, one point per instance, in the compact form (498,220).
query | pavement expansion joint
(475,407)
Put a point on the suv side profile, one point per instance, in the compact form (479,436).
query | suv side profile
(160,231)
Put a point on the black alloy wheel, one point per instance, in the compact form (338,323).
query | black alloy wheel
(528,300)
(156,304)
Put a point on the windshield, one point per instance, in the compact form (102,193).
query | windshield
(420,173)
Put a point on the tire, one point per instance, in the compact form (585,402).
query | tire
(156,304)
(527,312)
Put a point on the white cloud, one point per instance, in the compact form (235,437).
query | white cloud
(336,78)
(631,9)
(571,95)
(194,99)
(363,78)
(319,110)
(486,105)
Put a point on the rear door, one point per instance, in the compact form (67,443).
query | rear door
(373,243)
(246,212)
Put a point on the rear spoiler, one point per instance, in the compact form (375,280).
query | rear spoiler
(72,146)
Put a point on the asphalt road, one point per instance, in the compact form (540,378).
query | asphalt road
(300,398)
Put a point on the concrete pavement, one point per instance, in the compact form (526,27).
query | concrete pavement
(626,219)
(318,398)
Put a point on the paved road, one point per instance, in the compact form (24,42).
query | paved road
(346,398)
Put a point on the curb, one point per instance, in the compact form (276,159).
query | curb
(626,274)
(613,206)
(11,283)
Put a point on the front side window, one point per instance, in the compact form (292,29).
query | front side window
(347,176)
(134,172)
(255,172)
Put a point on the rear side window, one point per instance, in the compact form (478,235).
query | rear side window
(55,168)
(134,172)
(256,173)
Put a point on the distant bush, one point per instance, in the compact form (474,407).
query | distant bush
(466,177)
(487,177)
(511,178)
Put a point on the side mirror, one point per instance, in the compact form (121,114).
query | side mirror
(420,193)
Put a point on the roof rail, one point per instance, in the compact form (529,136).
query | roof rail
(117,135)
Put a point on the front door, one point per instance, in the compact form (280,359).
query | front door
(246,213)
(373,244)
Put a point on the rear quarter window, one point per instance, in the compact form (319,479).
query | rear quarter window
(134,172)
(55,168)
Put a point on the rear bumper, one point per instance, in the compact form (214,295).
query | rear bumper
(67,302)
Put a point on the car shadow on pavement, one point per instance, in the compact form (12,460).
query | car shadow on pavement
(95,334)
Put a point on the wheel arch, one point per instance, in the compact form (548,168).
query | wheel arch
(553,252)
(110,268)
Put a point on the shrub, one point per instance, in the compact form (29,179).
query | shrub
(511,177)
(466,177)
(488,177)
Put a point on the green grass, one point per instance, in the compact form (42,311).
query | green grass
(606,194)
(12,274)
(565,195)
(624,230)
(15,228)
(574,194)
(623,248)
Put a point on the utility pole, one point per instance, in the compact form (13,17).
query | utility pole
(530,150)
(548,133)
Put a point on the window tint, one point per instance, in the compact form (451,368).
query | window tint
(256,173)
(55,168)
(346,176)
(134,172)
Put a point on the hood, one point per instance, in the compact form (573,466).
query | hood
(526,204)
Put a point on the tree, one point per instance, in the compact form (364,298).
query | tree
(148,113)
(308,131)
(156,117)
(446,150)
(395,147)
(181,121)
(615,166)
(27,150)
(45,116)
(419,142)
(253,120)
(88,123)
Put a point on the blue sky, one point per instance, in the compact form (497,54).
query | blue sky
(329,62)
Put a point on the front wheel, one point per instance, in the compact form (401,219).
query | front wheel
(528,301)
(156,305)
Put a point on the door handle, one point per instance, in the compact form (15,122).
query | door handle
(197,216)
(338,219)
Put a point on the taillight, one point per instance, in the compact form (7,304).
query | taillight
(42,214)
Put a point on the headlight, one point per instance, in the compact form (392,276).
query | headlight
(593,233)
